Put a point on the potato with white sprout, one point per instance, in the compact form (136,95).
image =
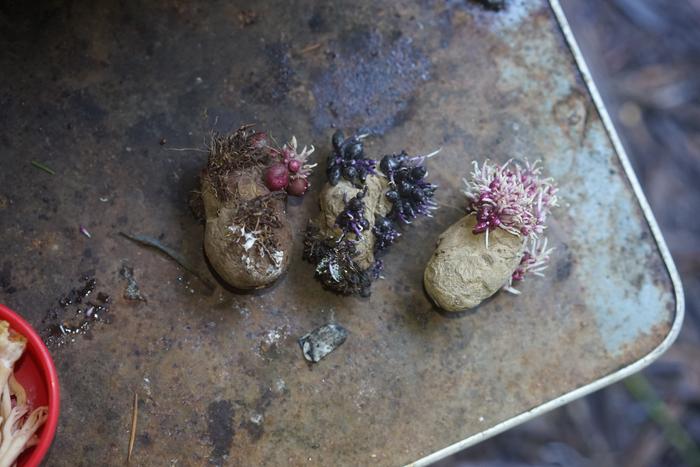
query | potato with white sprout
(18,423)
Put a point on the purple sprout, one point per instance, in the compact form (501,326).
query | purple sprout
(348,160)
(385,233)
(375,271)
(410,194)
(334,261)
(352,218)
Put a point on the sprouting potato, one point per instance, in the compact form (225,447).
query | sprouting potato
(463,271)
(498,242)
(362,209)
(244,190)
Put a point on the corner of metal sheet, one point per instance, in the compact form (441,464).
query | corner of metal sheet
(634,182)
(658,238)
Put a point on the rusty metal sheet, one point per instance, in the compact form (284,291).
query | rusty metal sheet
(103,94)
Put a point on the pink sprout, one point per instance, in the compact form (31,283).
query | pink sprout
(534,261)
(517,199)
(290,153)
(511,197)
(293,170)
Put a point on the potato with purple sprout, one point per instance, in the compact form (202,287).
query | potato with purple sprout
(498,242)
(362,209)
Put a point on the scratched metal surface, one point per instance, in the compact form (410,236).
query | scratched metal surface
(91,90)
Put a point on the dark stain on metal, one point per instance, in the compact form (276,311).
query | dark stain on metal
(6,277)
(144,439)
(272,84)
(322,341)
(638,281)
(564,264)
(369,81)
(220,429)
(254,424)
(247,17)
(493,5)
(571,113)
(85,106)
(317,22)
(254,428)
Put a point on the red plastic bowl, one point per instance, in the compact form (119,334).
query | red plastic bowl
(36,372)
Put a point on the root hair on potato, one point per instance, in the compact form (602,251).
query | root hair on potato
(252,225)
(241,150)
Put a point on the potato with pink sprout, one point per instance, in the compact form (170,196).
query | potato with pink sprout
(500,240)
(244,189)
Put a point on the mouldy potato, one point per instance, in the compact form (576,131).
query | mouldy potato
(498,243)
(362,206)
(244,187)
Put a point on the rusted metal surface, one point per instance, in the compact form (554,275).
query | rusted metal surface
(92,92)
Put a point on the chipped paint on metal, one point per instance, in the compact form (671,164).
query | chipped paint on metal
(511,17)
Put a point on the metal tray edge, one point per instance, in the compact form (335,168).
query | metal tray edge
(658,237)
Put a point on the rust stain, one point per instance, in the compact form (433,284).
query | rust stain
(571,113)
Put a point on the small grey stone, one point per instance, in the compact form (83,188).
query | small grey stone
(321,341)
(132,291)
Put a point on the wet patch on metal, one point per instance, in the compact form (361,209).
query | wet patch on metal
(220,429)
(277,78)
(222,379)
(75,314)
(369,80)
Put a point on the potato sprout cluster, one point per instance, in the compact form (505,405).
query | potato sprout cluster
(362,209)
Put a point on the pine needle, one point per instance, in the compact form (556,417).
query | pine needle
(172,254)
(134,419)
(41,166)
(641,389)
